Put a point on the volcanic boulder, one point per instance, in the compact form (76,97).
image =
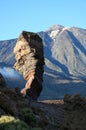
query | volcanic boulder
(2,82)
(29,61)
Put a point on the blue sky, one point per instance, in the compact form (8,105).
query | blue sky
(39,15)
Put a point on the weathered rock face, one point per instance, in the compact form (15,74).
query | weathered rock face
(75,113)
(6,103)
(29,61)
(2,82)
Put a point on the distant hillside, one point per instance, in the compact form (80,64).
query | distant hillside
(65,58)
(6,52)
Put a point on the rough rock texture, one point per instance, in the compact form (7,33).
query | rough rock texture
(29,61)
(5,101)
(74,113)
(2,82)
(10,99)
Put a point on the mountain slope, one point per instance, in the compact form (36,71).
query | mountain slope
(66,50)
(6,51)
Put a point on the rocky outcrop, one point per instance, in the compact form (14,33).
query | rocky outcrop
(10,99)
(74,113)
(2,82)
(29,61)
(7,104)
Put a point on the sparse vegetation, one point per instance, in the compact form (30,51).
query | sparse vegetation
(10,123)
(28,116)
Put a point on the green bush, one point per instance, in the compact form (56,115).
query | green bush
(28,116)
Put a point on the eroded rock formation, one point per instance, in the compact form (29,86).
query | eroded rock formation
(29,61)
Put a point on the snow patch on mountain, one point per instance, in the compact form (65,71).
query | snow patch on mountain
(53,34)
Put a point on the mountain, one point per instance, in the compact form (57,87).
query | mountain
(6,52)
(65,60)
(66,50)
